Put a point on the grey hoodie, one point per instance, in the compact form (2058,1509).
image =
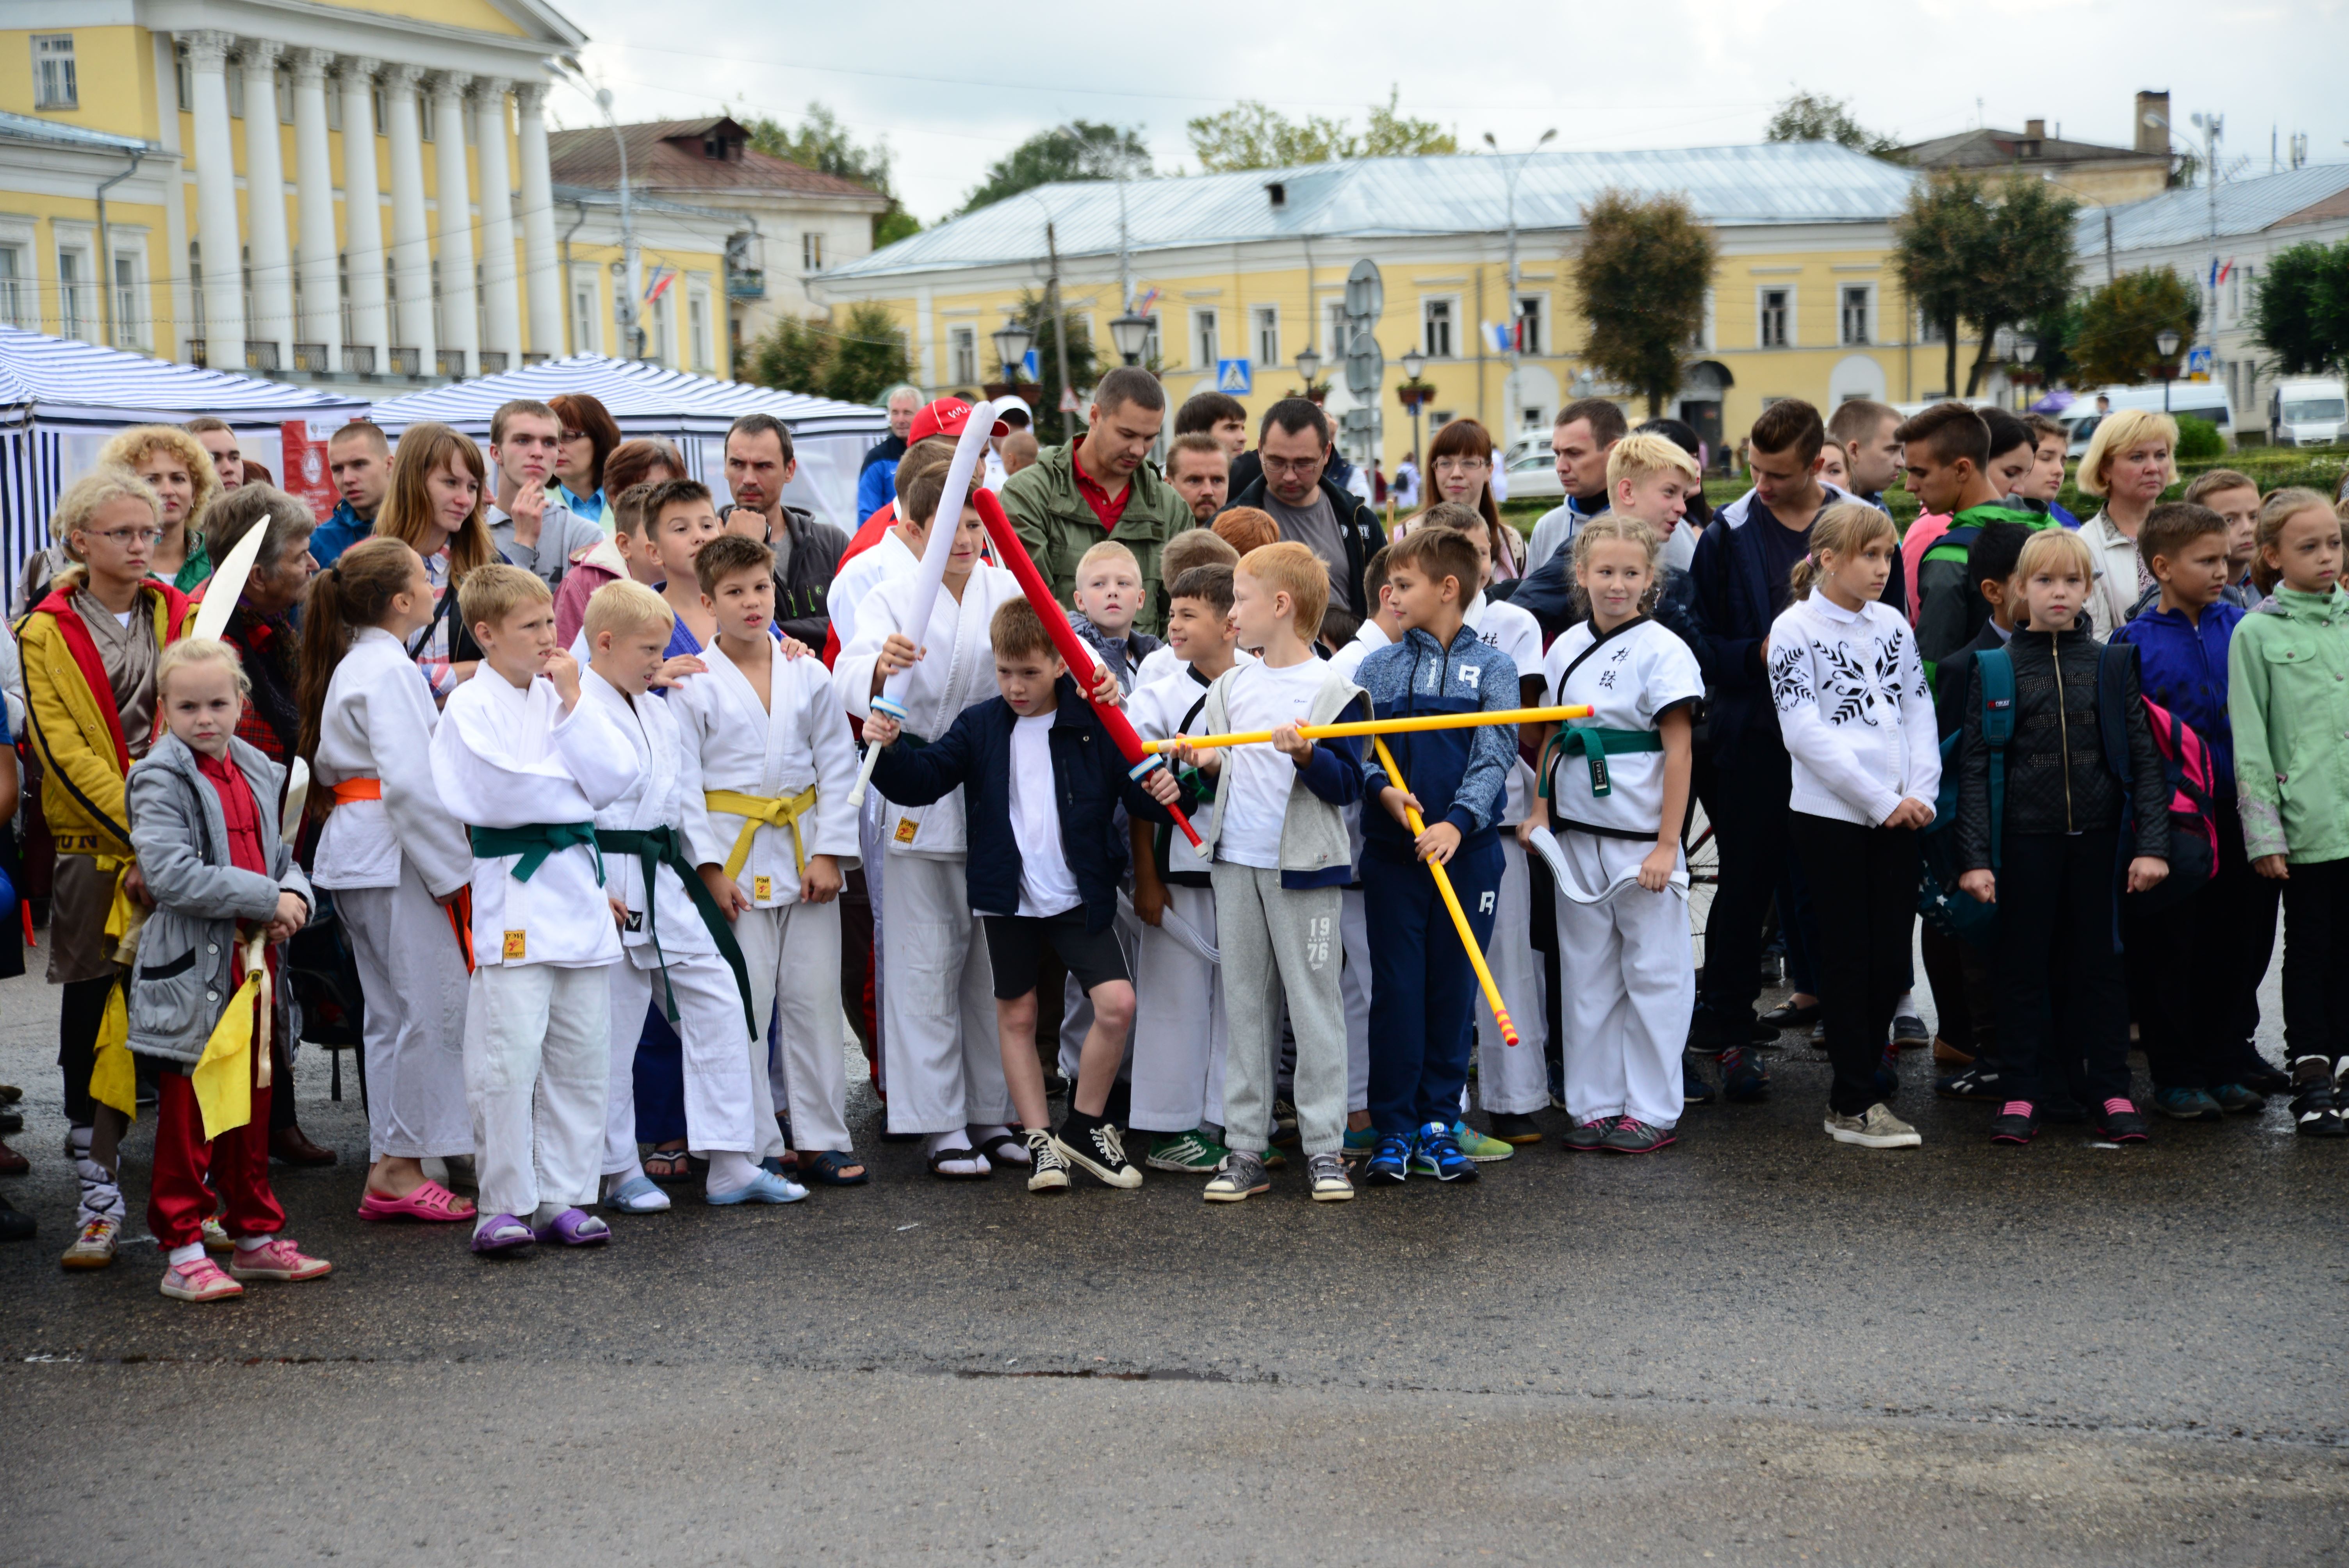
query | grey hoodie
(562,534)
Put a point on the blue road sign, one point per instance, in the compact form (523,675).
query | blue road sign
(1234,376)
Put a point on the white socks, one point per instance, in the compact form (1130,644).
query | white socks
(245,1244)
(729,1171)
(1907,1006)
(993,1129)
(181,1257)
(956,1138)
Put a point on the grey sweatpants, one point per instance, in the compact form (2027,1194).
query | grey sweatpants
(1278,942)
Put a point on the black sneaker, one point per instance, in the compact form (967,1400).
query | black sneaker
(2258,1074)
(1788,1015)
(2118,1120)
(2013,1123)
(1909,1033)
(1631,1136)
(1095,1146)
(2316,1107)
(1976,1082)
(1587,1137)
(1514,1126)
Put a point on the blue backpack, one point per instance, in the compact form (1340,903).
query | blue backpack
(1949,911)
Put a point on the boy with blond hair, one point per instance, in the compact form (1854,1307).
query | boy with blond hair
(1652,477)
(1109,595)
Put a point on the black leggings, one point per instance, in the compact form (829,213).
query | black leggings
(2316,960)
(2194,971)
(2063,1000)
(1863,886)
(81,1010)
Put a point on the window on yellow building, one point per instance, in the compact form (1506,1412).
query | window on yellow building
(1529,324)
(1436,316)
(962,344)
(1204,337)
(1775,310)
(183,79)
(1268,334)
(73,309)
(54,83)
(1858,308)
(16,289)
(130,320)
(697,328)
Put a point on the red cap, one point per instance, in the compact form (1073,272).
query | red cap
(947,417)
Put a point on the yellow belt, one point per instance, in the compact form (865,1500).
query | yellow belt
(762,811)
(113,1081)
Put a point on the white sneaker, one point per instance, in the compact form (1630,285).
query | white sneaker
(1048,1172)
(1328,1174)
(1877,1127)
(94,1247)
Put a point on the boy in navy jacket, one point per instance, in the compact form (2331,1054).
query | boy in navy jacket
(1041,779)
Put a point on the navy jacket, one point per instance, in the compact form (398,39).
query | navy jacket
(2183,666)
(1088,777)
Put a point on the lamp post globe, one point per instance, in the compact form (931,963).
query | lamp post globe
(1130,333)
(1308,363)
(1012,341)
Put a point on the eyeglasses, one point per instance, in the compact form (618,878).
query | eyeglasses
(1293,465)
(1462,465)
(569,436)
(124,538)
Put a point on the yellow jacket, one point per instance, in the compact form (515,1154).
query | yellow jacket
(76,732)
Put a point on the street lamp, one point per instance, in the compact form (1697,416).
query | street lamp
(1130,333)
(2026,349)
(1012,341)
(2166,343)
(1307,363)
(1412,396)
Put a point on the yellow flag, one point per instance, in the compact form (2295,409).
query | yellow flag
(224,1078)
(114,1082)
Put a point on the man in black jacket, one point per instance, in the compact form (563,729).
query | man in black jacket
(758,464)
(1296,491)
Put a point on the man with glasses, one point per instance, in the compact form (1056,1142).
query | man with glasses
(1296,491)
(530,528)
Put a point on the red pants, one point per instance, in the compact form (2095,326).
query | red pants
(238,1162)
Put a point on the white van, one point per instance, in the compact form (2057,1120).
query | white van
(2308,411)
(2203,399)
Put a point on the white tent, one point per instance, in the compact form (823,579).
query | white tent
(829,438)
(60,399)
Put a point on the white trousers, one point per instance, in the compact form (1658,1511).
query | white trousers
(938,1033)
(1180,1032)
(726,1102)
(1354,990)
(1629,977)
(1514,1079)
(538,1068)
(792,952)
(412,974)
(872,849)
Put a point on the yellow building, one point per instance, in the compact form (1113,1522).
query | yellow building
(1251,268)
(411,232)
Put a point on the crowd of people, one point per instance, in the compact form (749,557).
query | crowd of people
(581,865)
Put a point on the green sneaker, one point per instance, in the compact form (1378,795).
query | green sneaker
(1484,1150)
(1194,1152)
(1360,1141)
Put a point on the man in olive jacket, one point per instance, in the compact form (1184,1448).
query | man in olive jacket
(1100,487)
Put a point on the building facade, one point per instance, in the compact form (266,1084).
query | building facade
(1243,270)
(312,190)
(2089,172)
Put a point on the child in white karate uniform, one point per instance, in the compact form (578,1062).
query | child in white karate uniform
(526,765)
(1615,789)
(774,822)
(397,864)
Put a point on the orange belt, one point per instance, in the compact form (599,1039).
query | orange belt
(351,789)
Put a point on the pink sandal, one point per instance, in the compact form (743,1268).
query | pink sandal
(431,1201)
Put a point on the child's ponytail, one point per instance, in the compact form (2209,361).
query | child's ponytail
(1846,528)
(356,590)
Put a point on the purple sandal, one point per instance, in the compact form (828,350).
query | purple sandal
(502,1233)
(575,1228)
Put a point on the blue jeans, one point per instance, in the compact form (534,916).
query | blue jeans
(1423,987)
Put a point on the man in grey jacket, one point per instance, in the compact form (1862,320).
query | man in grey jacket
(530,527)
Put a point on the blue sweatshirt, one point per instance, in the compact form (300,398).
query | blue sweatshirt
(2182,666)
(1459,775)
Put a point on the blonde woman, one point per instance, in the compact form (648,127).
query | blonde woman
(180,472)
(2129,462)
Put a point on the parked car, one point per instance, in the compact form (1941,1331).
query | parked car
(2308,411)
(2203,399)
(1534,477)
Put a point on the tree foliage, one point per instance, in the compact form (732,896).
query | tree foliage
(1815,116)
(1935,240)
(1253,135)
(2300,312)
(1986,257)
(821,143)
(1643,269)
(1080,150)
(856,358)
(1084,361)
(2119,322)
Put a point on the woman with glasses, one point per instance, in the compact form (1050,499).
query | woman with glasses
(1460,467)
(589,434)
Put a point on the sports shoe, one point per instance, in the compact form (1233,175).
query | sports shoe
(94,1247)
(1193,1152)
(1284,1123)
(2013,1123)
(200,1281)
(277,1258)
(1047,1172)
(1514,1126)
(2119,1122)
(2234,1099)
(1948,1056)
(1586,1137)
(1694,1090)
(215,1238)
(1390,1160)
(1327,1174)
(1484,1150)
(1630,1135)
(1242,1177)
(2187,1105)
(2258,1074)
(1099,1149)
(1976,1082)
(1436,1153)
(1743,1080)
(1909,1033)
(1876,1128)
(1787,1015)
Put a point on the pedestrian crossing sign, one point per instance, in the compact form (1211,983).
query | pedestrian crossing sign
(1233,375)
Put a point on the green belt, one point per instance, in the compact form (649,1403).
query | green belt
(1596,743)
(657,847)
(533,842)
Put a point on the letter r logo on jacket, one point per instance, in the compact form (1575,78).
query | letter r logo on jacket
(1468,673)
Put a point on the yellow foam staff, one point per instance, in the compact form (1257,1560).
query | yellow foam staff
(1378,727)
(1443,880)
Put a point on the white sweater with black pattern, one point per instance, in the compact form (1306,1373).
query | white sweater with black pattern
(1853,706)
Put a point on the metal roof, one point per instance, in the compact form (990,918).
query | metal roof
(2179,216)
(63,380)
(1772,182)
(24,127)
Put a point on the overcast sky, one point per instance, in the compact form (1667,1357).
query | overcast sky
(954,88)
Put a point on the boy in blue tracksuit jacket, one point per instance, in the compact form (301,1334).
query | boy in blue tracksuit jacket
(1041,779)
(1423,986)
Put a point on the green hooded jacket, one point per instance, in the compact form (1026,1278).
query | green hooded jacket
(2288,704)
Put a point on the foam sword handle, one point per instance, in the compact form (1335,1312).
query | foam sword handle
(1013,554)
(937,551)
(1451,902)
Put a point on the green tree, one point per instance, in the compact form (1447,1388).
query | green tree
(1815,116)
(2119,322)
(791,355)
(854,359)
(1938,240)
(2054,331)
(2300,312)
(1084,364)
(1643,270)
(2023,266)
(1253,135)
(821,143)
(1080,150)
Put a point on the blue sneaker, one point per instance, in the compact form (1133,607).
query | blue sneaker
(1361,1140)
(1435,1152)
(1390,1160)
(1694,1090)
(2187,1105)
(1743,1080)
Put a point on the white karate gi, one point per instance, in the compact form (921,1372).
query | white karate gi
(387,862)
(1180,1033)
(537,1017)
(791,949)
(945,1062)
(860,575)
(1625,958)
(1513,1079)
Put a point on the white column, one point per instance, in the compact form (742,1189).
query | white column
(216,225)
(313,184)
(500,283)
(544,282)
(265,202)
(411,241)
(461,319)
(363,214)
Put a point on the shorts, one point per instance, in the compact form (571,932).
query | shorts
(1016,944)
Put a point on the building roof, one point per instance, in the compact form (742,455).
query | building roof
(644,399)
(2306,195)
(1774,183)
(1984,148)
(678,155)
(64,381)
(25,128)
